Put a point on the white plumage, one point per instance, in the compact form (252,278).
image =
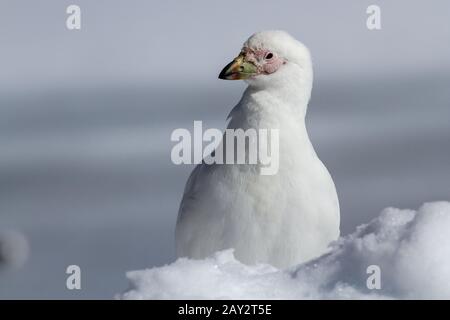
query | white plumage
(282,219)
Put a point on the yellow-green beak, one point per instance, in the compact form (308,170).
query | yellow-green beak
(238,69)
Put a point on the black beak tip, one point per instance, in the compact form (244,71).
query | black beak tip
(226,72)
(223,74)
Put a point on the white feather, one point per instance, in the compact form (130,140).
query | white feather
(282,219)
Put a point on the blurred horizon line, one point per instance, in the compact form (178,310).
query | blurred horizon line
(66,84)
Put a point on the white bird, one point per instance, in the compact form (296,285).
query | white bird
(282,219)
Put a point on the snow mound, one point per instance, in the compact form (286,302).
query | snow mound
(411,249)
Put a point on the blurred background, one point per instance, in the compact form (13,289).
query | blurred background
(86,118)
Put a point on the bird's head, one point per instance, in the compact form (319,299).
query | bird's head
(270,58)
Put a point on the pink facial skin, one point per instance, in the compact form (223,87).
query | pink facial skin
(266,61)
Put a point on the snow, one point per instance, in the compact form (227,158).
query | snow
(411,248)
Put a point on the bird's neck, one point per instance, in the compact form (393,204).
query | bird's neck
(289,94)
(282,108)
(273,104)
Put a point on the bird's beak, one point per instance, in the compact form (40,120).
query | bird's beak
(238,69)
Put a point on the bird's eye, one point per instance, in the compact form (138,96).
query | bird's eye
(269,56)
